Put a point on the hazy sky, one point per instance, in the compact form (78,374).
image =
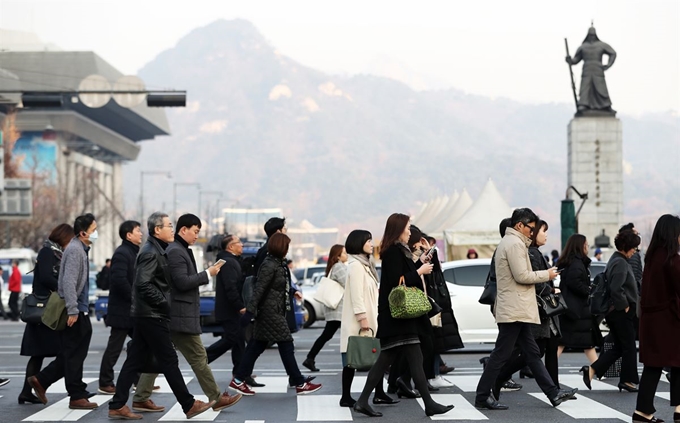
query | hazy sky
(502,48)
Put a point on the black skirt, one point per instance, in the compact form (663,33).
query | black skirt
(40,341)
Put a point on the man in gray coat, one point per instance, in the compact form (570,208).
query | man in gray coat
(516,310)
(185,323)
(74,289)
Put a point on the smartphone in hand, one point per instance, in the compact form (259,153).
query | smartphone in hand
(219,263)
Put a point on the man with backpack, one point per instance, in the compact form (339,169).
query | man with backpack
(103,277)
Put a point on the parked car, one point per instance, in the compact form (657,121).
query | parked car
(304,274)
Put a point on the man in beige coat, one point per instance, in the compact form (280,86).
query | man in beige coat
(516,310)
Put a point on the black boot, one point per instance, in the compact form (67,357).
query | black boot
(347,377)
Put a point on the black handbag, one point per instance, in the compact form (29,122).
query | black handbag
(551,304)
(488,296)
(436,308)
(33,307)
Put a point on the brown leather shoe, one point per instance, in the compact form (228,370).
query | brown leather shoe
(123,413)
(147,406)
(82,404)
(107,390)
(226,401)
(37,387)
(198,408)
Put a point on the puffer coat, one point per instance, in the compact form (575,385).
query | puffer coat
(269,300)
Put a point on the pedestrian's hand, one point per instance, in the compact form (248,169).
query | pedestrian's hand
(425,269)
(72,319)
(364,324)
(552,272)
(627,308)
(298,295)
(242,311)
(568,59)
(213,270)
(557,291)
(246,319)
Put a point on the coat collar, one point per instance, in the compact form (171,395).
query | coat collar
(512,231)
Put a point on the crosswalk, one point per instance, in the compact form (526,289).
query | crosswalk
(324,407)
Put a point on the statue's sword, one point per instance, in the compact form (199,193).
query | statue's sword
(571,73)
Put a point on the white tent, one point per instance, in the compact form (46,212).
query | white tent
(433,209)
(478,227)
(455,212)
(436,222)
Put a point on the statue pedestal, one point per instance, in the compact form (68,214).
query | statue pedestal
(595,166)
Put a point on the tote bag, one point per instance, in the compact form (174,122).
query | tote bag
(329,293)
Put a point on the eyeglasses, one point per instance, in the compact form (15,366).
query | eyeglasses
(531,228)
(163,226)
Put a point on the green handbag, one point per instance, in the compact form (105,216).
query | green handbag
(55,316)
(407,302)
(362,351)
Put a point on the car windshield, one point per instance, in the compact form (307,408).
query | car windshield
(467,275)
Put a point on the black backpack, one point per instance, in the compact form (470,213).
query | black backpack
(600,300)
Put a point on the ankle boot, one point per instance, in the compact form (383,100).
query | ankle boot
(347,377)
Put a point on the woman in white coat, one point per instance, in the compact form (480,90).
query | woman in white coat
(360,308)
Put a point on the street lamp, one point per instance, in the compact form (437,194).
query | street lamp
(141,187)
(174,194)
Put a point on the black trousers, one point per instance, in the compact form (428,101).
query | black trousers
(622,328)
(510,334)
(111,354)
(233,338)
(2,310)
(647,388)
(256,347)
(329,330)
(13,303)
(75,342)
(151,336)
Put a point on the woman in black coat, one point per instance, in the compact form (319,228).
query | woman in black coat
(579,328)
(399,337)
(39,341)
(268,305)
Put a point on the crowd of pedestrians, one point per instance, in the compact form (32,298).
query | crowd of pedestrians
(154,301)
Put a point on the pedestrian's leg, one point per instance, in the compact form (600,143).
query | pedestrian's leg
(219,347)
(427,349)
(629,373)
(144,387)
(32,368)
(239,347)
(505,343)
(329,330)
(530,350)
(76,345)
(414,357)
(346,399)
(110,356)
(14,305)
(137,352)
(607,358)
(675,388)
(287,354)
(551,362)
(375,375)
(647,390)
(254,349)
(191,347)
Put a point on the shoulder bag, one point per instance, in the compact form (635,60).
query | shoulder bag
(33,307)
(407,302)
(488,296)
(362,351)
(55,316)
(551,304)
(329,293)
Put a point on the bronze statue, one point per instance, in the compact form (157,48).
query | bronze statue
(593,97)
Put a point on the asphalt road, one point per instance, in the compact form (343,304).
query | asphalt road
(277,404)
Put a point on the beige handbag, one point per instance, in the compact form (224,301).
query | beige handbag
(436,320)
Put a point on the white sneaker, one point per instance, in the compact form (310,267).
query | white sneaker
(440,382)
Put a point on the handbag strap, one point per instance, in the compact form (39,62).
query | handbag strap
(371,329)
(401,281)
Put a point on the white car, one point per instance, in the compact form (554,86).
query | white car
(465,280)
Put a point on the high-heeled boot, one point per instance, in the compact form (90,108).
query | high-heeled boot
(347,377)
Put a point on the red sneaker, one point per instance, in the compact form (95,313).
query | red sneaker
(307,388)
(241,387)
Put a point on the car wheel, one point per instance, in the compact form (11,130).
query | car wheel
(311,315)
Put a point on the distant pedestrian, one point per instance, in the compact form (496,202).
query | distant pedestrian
(73,286)
(598,254)
(229,305)
(336,270)
(621,318)
(580,329)
(151,334)
(268,306)
(636,259)
(555,257)
(516,311)
(660,318)
(14,289)
(39,341)
(104,275)
(472,254)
